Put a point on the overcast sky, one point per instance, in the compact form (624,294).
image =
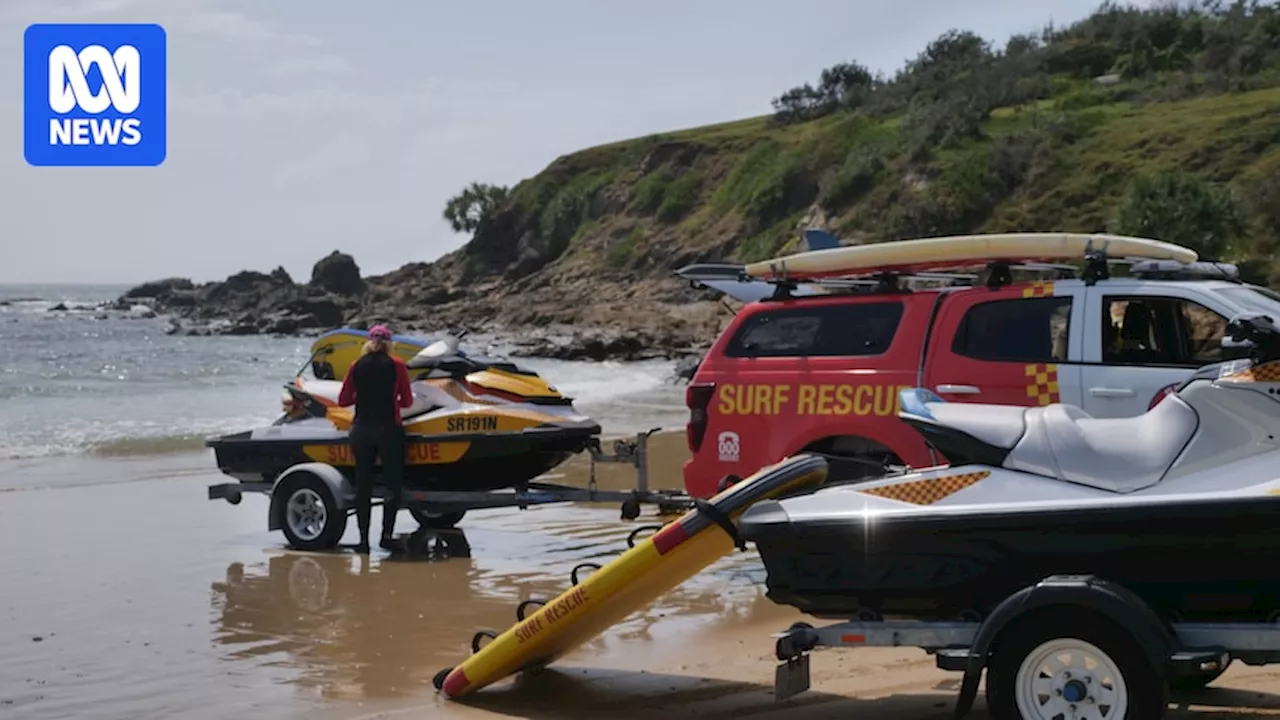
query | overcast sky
(297,127)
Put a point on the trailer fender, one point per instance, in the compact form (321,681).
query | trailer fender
(1081,591)
(342,491)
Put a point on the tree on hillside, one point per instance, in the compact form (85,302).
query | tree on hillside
(1180,208)
(465,210)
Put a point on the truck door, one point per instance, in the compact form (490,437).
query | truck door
(1016,345)
(1144,338)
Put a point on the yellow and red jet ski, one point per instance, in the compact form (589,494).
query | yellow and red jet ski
(475,424)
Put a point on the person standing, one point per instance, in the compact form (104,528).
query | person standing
(378,385)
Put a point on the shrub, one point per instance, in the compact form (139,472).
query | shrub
(1180,208)
(467,209)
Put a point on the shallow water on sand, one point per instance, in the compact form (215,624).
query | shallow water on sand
(134,596)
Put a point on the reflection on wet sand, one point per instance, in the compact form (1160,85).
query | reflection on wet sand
(353,628)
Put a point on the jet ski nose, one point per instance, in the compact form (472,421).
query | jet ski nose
(761,518)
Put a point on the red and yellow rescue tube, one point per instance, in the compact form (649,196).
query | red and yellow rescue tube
(636,578)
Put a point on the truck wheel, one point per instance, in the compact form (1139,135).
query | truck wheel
(435,520)
(1083,668)
(311,518)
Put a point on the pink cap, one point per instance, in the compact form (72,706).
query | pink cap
(382,332)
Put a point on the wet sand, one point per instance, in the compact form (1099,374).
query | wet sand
(127,594)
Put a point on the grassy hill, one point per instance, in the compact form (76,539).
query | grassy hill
(1163,123)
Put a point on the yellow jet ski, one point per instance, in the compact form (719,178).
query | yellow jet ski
(475,425)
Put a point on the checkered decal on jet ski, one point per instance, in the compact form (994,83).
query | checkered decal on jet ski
(1266,372)
(929,490)
(1042,383)
(1038,289)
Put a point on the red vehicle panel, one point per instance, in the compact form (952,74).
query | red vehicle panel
(793,374)
(823,373)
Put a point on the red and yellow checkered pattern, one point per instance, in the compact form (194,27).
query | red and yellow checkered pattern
(1266,372)
(1042,383)
(1038,289)
(929,490)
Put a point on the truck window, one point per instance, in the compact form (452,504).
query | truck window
(1029,330)
(1144,330)
(853,329)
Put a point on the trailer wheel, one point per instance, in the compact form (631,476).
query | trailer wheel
(435,520)
(1074,666)
(310,516)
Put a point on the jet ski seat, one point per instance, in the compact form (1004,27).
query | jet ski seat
(1115,454)
(1000,426)
(964,432)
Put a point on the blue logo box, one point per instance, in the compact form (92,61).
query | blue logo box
(94,95)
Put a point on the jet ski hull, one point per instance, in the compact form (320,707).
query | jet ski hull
(1207,559)
(447,462)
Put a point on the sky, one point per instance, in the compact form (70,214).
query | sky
(299,127)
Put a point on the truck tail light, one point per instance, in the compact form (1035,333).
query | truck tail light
(697,397)
(1162,393)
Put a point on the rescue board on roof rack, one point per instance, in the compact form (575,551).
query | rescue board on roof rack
(961,251)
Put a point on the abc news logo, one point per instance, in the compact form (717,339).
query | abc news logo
(94,94)
(69,90)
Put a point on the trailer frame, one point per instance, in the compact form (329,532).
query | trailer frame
(1186,654)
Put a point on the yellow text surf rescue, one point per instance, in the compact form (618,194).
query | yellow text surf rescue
(558,609)
(415,453)
(808,399)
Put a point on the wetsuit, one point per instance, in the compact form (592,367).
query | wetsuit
(378,385)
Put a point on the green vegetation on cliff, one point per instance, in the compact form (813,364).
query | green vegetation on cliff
(1160,122)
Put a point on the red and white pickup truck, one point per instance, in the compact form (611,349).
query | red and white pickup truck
(822,371)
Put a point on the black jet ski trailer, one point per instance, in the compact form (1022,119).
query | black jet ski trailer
(329,497)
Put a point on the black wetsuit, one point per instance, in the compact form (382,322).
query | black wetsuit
(376,433)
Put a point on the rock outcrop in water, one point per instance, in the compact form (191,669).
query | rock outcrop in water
(573,322)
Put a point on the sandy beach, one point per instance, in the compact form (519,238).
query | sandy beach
(129,595)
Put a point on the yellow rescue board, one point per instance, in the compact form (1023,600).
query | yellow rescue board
(943,252)
(343,347)
(635,579)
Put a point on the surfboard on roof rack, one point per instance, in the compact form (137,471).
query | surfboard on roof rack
(962,251)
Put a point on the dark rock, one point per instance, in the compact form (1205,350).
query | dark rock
(315,312)
(286,325)
(242,329)
(338,273)
(60,307)
(181,298)
(687,367)
(159,288)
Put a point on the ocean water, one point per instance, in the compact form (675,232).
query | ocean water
(111,383)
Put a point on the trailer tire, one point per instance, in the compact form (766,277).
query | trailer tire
(310,516)
(1017,691)
(435,520)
